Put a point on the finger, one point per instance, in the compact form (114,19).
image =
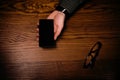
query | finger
(37,30)
(37,34)
(37,37)
(38,24)
(55,27)
(57,33)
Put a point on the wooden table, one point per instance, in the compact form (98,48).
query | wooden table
(22,59)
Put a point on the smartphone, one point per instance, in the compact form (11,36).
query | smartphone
(46,33)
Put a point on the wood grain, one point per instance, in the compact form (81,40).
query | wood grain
(22,59)
(27,6)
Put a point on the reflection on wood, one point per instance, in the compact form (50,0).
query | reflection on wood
(28,6)
(61,70)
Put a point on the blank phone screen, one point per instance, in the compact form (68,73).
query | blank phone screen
(46,33)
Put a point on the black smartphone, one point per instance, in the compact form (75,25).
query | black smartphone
(46,33)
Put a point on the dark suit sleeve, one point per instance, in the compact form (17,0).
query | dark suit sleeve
(71,5)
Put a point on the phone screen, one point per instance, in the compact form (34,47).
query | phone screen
(46,33)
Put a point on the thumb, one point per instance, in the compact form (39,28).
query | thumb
(58,31)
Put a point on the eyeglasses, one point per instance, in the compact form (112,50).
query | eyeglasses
(92,55)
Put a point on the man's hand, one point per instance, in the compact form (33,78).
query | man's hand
(59,19)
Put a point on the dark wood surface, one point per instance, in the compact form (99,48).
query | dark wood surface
(22,59)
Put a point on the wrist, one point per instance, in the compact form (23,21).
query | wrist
(62,10)
(59,12)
